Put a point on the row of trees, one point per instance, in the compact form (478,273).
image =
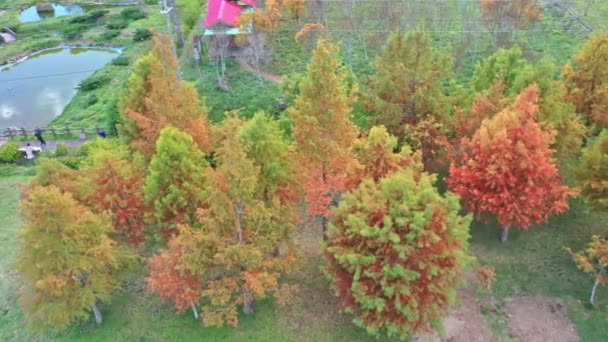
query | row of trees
(219,203)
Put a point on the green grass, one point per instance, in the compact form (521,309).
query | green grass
(534,262)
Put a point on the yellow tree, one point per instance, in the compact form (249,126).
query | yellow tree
(323,130)
(155,98)
(587,80)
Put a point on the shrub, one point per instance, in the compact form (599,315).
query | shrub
(121,60)
(117,25)
(74,31)
(9,153)
(93,82)
(62,150)
(88,18)
(7,170)
(72,162)
(132,13)
(90,100)
(142,34)
(109,34)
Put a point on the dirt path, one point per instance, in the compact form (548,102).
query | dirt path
(51,145)
(539,319)
(265,75)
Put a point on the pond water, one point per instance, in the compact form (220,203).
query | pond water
(36,90)
(31,14)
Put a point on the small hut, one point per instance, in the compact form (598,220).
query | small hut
(221,26)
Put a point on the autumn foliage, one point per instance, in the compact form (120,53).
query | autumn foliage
(507,169)
(593,260)
(395,252)
(66,259)
(323,131)
(587,80)
(592,173)
(155,98)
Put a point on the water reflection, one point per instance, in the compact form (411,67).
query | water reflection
(31,14)
(35,91)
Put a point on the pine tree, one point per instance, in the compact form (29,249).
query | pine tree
(407,83)
(396,252)
(155,98)
(507,168)
(66,259)
(587,80)
(176,182)
(323,131)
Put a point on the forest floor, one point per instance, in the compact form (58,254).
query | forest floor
(541,295)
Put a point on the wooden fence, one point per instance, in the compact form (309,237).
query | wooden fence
(54,133)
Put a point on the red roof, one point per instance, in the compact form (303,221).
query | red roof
(222,11)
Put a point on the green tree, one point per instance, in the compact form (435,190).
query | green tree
(407,83)
(176,182)
(592,173)
(66,259)
(396,252)
(266,147)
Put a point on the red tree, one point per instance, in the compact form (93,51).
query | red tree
(507,168)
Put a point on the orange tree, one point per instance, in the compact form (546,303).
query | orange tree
(395,253)
(507,168)
(323,131)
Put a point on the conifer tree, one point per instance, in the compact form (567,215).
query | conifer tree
(592,173)
(112,183)
(407,83)
(176,181)
(155,98)
(395,253)
(378,157)
(507,168)
(587,80)
(505,74)
(66,259)
(323,130)
(266,147)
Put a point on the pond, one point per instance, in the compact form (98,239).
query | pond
(31,14)
(35,91)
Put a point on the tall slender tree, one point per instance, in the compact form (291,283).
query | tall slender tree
(66,259)
(177,179)
(592,173)
(323,130)
(407,83)
(507,168)
(587,80)
(155,98)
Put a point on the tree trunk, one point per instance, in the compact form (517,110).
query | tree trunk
(97,314)
(176,23)
(324,217)
(247,302)
(505,233)
(239,228)
(194,311)
(592,297)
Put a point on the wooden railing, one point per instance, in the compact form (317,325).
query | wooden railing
(54,133)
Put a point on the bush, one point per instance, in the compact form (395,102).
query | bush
(62,150)
(7,170)
(93,82)
(132,13)
(90,100)
(9,153)
(142,34)
(117,25)
(72,162)
(74,31)
(121,60)
(108,35)
(88,18)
